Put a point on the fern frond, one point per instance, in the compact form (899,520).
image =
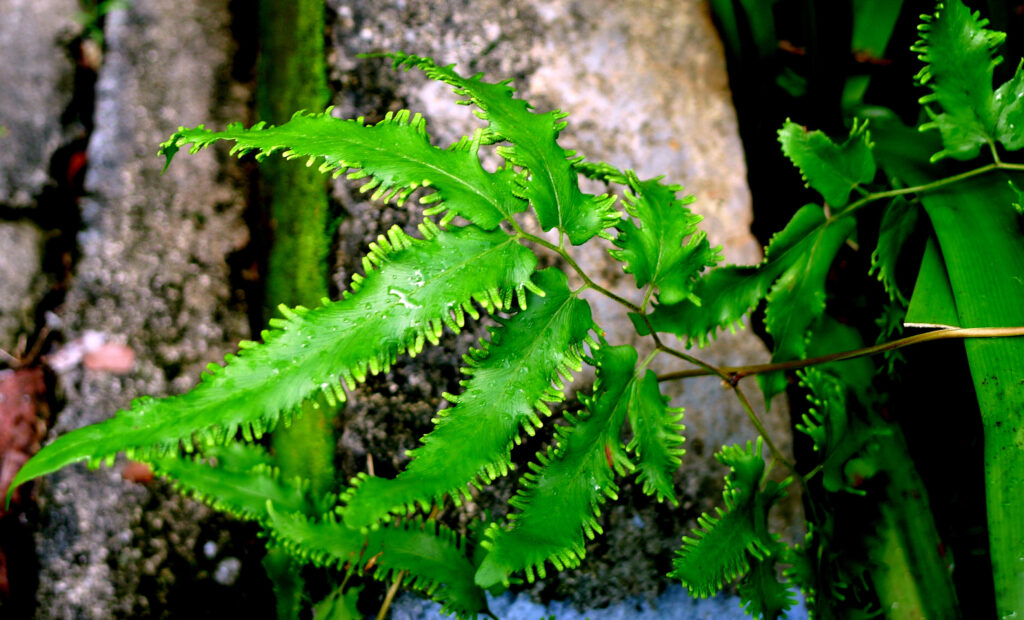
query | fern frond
(797,299)
(795,258)
(510,380)
(432,556)
(411,290)
(960,56)
(761,592)
(898,222)
(832,170)
(551,184)
(667,250)
(395,155)
(560,499)
(724,544)
(237,479)
(657,437)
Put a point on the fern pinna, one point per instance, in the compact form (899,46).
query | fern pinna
(477,257)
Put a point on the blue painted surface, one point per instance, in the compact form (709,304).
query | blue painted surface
(673,603)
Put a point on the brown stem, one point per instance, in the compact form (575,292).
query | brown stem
(735,373)
(390,595)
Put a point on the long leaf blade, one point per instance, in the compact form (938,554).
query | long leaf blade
(420,286)
(395,153)
(561,497)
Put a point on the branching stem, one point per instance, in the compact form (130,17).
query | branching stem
(928,187)
(575,267)
(705,367)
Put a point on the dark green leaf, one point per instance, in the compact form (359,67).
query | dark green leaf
(898,222)
(797,298)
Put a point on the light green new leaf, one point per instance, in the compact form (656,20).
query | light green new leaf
(657,437)
(561,497)
(550,183)
(432,556)
(395,154)
(237,479)
(797,298)
(959,56)
(510,379)
(418,287)
(667,250)
(832,170)
(725,544)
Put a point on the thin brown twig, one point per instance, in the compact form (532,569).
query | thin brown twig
(390,595)
(735,373)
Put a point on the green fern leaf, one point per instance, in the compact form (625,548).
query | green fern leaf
(510,379)
(724,544)
(432,556)
(832,170)
(395,154)
(898,222)
(236,479)
(418,287)
(761,592)
(729,293)
(1009,100)
(551,184)
(339,605)
(657,437)
(667,250)
(797,299)
(959,56)
(561,497)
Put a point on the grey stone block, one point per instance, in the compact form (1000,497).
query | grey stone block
(152,275)
(35,75)
(21,283)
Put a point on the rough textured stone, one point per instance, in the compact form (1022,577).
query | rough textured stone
(20,279)
(152,275)
(36,75)
(645,86)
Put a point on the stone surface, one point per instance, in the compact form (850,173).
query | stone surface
(153,276)
(36,75)
(21,284)
(645,87)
